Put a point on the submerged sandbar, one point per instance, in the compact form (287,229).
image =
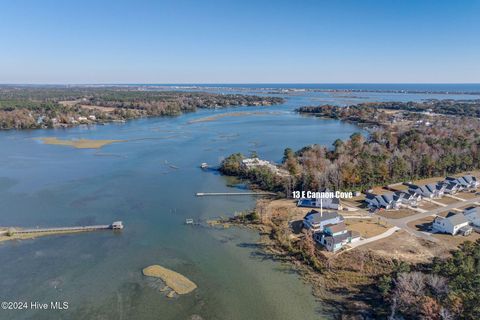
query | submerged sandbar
(79,143)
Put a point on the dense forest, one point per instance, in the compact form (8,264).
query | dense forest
(444,290)
(470,108)
(400,146)
(47,107)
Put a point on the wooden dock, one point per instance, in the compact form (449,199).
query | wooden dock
(204,194)
(117,225)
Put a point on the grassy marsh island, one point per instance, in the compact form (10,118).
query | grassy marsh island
(173,280)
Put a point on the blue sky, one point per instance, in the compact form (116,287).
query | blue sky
(239,41)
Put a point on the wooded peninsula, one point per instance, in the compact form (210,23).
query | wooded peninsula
(406,141)
(49,107)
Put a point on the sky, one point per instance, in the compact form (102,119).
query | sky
(243,41)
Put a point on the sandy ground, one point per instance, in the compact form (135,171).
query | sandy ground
(232,114)
(101,108)
(26,236)
(447,240)
(403,246)
(177,282)
(80,143)
(446,200)
(396,214)
(367,227)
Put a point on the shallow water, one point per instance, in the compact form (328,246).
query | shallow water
(149,183)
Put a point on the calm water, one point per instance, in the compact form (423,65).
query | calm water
(99,274)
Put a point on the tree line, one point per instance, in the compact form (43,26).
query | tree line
(399,147)
(47,107)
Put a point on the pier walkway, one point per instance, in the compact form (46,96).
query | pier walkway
(203,194)
(117,225)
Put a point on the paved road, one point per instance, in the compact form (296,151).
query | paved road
(387,233)
(402,222)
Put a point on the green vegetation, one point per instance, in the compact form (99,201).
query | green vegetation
(260,177)
(468,108)
(401,146)
(445,289)
(48,107)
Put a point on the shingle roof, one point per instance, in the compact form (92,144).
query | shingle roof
(337,227)
(458,218)
(316,217)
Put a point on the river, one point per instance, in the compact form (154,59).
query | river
(149,182)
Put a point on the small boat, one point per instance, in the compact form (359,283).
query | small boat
(188,221)
(204,165)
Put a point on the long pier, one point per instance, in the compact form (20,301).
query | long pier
(117,225)
(203,194)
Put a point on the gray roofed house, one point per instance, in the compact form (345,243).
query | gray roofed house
(452,224)
(385,201)
(465,182)
(317,220)
(427,191)
(473,215)
(327,203)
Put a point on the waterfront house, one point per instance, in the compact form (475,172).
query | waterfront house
(453,224)
(473,215)
(251,163)
(335,236)
(385,201)
(325,203)
(317,220)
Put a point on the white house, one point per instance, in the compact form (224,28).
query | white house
(473,215)
(453,224)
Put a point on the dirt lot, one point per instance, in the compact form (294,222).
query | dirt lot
(367,227)
(357,202)
(400,187)
(423,224)
(447,240)
(403,246)
(466,195)
(397,214)
(446,200)
(425,205)
(453,242)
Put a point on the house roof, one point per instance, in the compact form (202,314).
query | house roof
(456,218)
(338,238)
(316,217)
(337,227)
